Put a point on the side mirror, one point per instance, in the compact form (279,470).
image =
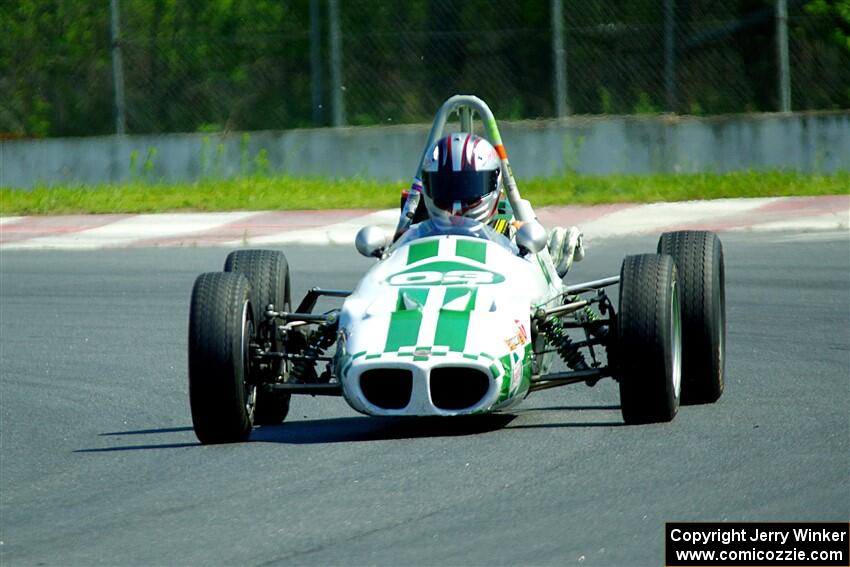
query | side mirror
(371,241)
(531,237)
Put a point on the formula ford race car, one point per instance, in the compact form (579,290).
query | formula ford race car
(450,325)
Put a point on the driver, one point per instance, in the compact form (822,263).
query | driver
(462,188)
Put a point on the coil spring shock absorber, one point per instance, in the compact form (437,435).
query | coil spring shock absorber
(304,369)
(596,326)
(557,336)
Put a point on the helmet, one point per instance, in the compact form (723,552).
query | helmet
(461,178)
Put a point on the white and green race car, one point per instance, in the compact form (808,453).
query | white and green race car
(450,325)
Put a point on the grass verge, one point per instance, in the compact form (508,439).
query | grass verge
(288,193)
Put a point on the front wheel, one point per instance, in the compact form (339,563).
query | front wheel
(220,331)
(649,339)
(268,272)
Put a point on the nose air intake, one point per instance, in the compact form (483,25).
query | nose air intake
(387,388)
(458,388)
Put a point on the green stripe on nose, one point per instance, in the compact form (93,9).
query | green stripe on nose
(422,250)
(471,249)
(451,330)
(404,328)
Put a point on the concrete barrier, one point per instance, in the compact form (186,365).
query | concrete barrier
(806,142)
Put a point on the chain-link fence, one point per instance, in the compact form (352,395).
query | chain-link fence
(208,65)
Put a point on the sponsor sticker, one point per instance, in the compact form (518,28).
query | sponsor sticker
(519,338)
(516,376)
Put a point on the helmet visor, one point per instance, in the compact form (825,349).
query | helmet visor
(464,186)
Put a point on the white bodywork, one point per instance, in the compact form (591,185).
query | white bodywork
(443,302)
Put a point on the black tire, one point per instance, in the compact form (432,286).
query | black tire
(220,329)
(699,260)
(648,364)
(268,272)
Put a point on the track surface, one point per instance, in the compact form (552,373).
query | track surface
(100,465)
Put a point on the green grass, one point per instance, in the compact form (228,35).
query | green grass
(287,193)
(653,188)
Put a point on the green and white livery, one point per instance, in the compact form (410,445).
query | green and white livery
(449,324)
(459,305)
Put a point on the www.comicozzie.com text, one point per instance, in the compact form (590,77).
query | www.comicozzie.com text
(756,534)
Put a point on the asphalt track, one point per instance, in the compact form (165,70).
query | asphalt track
(99,464)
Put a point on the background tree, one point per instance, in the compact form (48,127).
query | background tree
(209,65)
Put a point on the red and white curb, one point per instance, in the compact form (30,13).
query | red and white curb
(270,228)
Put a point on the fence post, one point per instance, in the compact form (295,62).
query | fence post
(782,56)
(117,68)
(559,59)
(316,62)
(337,99)
(670,54)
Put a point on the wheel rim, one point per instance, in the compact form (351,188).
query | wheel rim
(676,337)
(250,390)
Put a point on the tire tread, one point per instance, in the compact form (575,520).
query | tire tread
(642,335)
(216,391)
(699,259)
(268,272)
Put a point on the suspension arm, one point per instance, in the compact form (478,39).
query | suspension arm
(334,389)
(594,284)
(290,356)
(565,309)
(556,379)
(326,318)
(309,302)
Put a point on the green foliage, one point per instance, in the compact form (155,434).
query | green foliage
(261,163)
(571,153)
(839,12)
(244,141)
(606,105)
(147,168)
(224,65)
(134,165)
(362,119)
(208,128)
(696,109)
(644,104)
(54,57)
(667,187)
(145,174)
(260,192)
(38,122)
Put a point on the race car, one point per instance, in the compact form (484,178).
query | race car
(451,325)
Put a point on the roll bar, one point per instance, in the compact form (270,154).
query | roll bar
(465,105)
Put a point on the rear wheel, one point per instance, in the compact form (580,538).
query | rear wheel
(268,272)
(220,331)
(699,261)
(648,365)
